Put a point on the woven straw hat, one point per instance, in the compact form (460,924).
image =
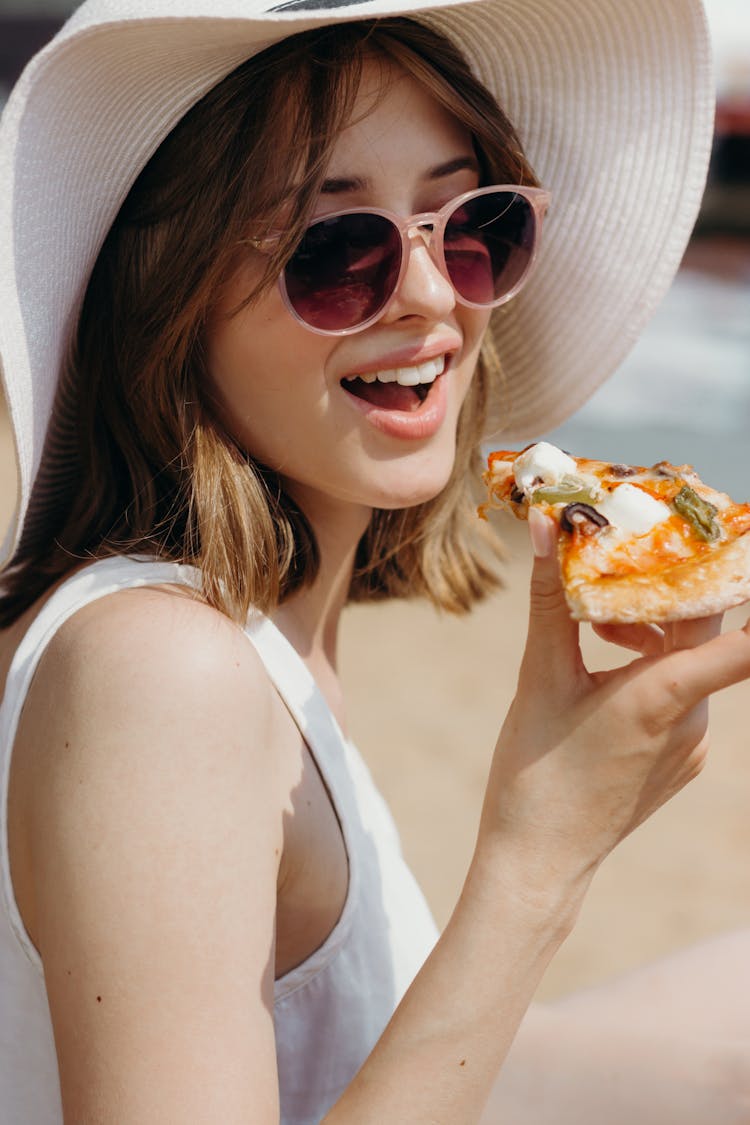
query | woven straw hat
(613,101)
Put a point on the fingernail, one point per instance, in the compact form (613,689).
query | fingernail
(541,530)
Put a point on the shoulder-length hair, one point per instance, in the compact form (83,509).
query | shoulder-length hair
(154,472)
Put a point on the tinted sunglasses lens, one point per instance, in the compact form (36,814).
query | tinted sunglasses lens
(344,271)
(488,244)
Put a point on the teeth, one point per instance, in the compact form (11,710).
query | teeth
(407,376)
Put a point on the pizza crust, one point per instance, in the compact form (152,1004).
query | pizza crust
(694,588)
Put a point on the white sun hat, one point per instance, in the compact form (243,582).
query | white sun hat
(613,101)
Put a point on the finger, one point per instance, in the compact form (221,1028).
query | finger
(689,634)
(695,673)
(553,635)
(646,639)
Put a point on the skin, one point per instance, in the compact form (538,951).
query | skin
(151,731)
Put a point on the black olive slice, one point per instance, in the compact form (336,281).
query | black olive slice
(582,516)
(623,471)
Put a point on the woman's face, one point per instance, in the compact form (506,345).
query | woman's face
(291,397)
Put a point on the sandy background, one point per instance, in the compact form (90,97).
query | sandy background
(427,694)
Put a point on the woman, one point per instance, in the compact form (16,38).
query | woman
(270,404)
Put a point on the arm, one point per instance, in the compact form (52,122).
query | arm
(155,832)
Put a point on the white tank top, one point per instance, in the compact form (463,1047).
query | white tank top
(331,1009)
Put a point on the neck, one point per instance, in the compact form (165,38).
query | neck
(310,618)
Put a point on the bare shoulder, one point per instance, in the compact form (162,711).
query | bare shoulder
(146,656)
(141,630)
(154,829)
(148,686)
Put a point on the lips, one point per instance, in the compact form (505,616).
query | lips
(396,388)
(396,408)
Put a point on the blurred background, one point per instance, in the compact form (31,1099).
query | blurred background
(684,392)
(684,395)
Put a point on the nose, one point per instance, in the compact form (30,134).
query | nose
(423,290)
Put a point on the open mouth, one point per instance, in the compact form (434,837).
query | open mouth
(399,388)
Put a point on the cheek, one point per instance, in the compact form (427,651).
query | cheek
(260,361)
(268,378)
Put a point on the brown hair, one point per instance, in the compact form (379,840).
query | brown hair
(154,471)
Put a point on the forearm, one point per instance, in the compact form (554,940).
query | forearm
(440,1054)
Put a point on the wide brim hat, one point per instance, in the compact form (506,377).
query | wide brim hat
(613,101)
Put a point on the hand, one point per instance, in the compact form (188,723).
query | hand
(583,758)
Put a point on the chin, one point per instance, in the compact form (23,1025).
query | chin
(410,492)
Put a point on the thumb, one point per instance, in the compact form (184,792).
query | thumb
(553,635)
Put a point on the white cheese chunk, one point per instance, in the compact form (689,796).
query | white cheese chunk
(542,462)
(632,509)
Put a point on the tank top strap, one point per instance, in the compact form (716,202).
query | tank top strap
(303,698)
(340,767)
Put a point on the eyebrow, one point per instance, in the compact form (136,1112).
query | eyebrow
(339,185)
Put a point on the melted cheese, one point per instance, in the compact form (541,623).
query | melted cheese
(543,463)
(633,510)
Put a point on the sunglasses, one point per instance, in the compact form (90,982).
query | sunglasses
(349,265)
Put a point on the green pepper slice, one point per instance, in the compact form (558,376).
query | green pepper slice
(699,513)
(567,491)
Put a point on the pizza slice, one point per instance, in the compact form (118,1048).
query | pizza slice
(636,544)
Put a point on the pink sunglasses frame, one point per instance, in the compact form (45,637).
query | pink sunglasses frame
(434,223)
